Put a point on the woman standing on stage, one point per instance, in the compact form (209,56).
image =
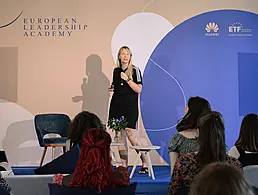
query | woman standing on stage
(126,85)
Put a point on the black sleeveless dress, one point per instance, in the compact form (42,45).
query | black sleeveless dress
(247,158)
(124,101)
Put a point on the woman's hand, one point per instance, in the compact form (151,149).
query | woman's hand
(111,88)
(124,76)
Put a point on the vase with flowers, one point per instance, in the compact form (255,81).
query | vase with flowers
(117,125)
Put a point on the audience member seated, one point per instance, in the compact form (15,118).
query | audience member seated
(212,148)
(5,168)
(94,168)
(185,141)
(246,147)
(66,163)
(3,161)
(81,123)
(220,178)
(4,185)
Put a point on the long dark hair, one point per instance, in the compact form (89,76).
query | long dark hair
(212,147)
(93,170)
(82,122)
(196,106)
(220,178)
(248,136)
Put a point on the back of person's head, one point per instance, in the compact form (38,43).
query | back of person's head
(94,165)
(195,107)
(248,136)
(220,179)
(82,122)
(212,146)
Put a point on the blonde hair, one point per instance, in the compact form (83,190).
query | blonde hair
(129,71)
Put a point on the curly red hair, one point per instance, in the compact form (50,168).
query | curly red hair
(94,166)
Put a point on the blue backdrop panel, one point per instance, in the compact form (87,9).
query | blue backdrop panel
(248,81)
(194,60)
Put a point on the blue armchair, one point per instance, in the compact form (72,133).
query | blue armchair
(51,123)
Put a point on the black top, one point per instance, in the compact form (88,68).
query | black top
(183,145)
(247,158)
(121,87)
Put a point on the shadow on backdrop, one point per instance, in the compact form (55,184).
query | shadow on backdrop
(21,143)
(95,94)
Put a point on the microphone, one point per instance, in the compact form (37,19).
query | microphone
(122,81)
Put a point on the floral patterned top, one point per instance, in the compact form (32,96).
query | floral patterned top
(119,177)
(186,168)
(3,184)
(182,144)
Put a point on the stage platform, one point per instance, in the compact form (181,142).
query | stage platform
(145,185)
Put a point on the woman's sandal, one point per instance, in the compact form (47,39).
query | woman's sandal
(144,170)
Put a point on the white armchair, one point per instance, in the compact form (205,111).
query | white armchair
(251,174)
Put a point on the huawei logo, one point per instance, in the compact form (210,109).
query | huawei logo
(212,26)
(11,22)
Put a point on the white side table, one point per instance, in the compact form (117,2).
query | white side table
(113,154)
(146,150)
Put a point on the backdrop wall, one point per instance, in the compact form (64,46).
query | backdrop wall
(59,57)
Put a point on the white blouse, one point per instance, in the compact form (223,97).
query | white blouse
(234,152)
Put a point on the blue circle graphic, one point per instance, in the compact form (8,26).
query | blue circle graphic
(213,55)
